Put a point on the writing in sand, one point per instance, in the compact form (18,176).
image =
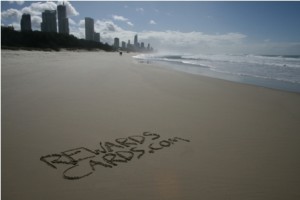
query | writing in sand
(82,162)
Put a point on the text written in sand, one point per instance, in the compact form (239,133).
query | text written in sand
(82,162)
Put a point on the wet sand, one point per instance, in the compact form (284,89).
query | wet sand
(194,137)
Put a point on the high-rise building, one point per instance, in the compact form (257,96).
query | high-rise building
(89,28)
(129,46)
(136,41)
(123,45)
(142,45)
(63,22)
(26,22)
(49,21)
(97,37)
(117,43)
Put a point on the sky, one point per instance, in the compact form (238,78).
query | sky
(179,26)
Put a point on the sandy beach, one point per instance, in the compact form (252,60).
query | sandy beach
(96,125)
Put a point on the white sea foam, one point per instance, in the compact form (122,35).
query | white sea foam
(284,69)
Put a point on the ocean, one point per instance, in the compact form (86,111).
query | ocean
(272,71)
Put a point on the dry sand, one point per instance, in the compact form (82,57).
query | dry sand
(244,140)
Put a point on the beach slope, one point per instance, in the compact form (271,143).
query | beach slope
(96,125)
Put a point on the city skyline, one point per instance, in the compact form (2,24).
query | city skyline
(205,27)
(57,21)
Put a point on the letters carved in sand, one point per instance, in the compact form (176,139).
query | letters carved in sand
(82,162)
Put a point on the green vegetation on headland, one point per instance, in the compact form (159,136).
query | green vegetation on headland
(36,40)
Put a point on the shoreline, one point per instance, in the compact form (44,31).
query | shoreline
(144,130)
(165,65)
(266,82)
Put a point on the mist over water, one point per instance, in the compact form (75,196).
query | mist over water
(272,71)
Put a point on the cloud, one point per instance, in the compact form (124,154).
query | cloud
(17,2)
(141,10)
(119,18)
(16,26)
(72,22)
(38,7)
(164,40)
(106,26)
(71,11)
(191,41)
(35,9)
(152,22)
(123,19)
(12,14)
(29,10)
(36,22)
(168,40)
(81,23)
(41,7)
(130,24)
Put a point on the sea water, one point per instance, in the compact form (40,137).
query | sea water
(273,71)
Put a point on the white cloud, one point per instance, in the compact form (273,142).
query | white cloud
(36,22)
(72,22)
(123,19)
(35,9)
(141,10)
(78,32)
(162,40)
(19,2)
(41,7)
(165,40)
(130,23)
(38,7)
(81,23)
(16,26)
(29,10)
(12,14)
(152,22)
(190,41)
(71,11)
(119,18)
(106,26)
